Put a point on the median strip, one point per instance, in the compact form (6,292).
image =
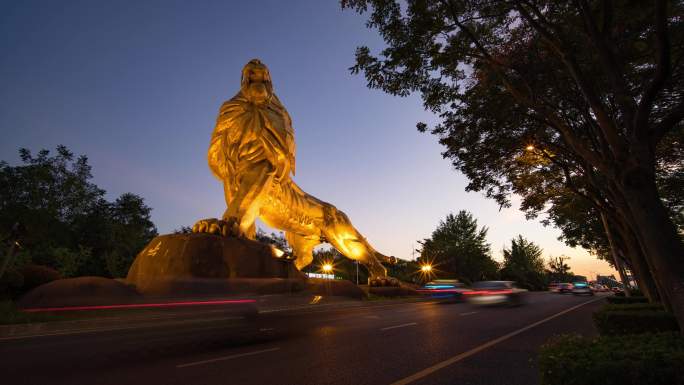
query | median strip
(226,358)
(441,365)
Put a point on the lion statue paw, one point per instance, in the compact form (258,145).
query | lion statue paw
(215,226)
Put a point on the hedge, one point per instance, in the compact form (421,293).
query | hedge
(634,306)
(612,322)
(618,300)
(642,359)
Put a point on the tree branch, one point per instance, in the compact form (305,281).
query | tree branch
(663,71)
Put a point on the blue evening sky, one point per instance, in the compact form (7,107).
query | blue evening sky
(136,85)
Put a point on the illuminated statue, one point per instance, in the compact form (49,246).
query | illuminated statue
(252,152)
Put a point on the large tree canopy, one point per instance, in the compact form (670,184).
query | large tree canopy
(523,263)
(458,248)
(593,89)
(64,219)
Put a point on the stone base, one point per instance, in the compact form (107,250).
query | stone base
(81,291)
(177,260)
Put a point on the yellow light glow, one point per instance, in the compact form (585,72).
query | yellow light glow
(529,147)
(277,252)
(426,268)
(327,267)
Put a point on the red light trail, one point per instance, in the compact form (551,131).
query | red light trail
(140,305)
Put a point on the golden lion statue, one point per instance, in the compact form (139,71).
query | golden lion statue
(252,152)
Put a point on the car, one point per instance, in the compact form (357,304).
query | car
(564,287)
(494,292)
(581,288)
(553,287)
(444,289)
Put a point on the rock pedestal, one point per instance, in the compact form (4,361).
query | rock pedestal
(205,257)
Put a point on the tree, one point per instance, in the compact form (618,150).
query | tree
(523,263)
(594,86)
(277,240)
(459,249)
(66,222)
(559,271)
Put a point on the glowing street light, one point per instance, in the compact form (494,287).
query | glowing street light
(327,268)
(426,268)
(530,147)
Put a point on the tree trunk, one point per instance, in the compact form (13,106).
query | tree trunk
(614,254)
(662,246)
(632,251)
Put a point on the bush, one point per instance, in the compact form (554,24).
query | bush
(634,306)
(645,320)
(11,283)
(642,359)
(36,275)
(618,300)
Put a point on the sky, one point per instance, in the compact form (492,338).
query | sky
(136,86)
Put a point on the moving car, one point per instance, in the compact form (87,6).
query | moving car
(563,288)
(444,289)
(581,288)
(494,292)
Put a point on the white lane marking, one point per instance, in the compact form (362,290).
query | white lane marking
(441,365)
(399,326)
(226,358)
(468,313)
(98,330)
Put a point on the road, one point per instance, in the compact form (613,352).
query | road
(383,343)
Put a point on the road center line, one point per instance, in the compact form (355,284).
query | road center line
(399,326)
(441,365)
(226,358)
(468,313)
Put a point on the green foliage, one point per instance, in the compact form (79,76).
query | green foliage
(457,248)
(523,264)
(559,271)
(634,307)
(65,221)
(277,240)
(343,267)
(634,321)
(566,104)
(36,275)
(644,359)
(627,300)
(406,271)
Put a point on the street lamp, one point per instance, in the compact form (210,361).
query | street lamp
(327,268)
(426,268)
(530,147)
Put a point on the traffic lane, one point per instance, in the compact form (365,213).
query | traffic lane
(93,352)
(330,332)
(514,361)
(333,356)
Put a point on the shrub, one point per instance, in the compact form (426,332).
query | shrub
(612,322)
(36,275)
(634,306)
(642,359)
(10,284)
(618,300)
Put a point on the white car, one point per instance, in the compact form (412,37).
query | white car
(580,288)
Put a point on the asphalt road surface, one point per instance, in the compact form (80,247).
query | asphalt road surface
(382,343)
